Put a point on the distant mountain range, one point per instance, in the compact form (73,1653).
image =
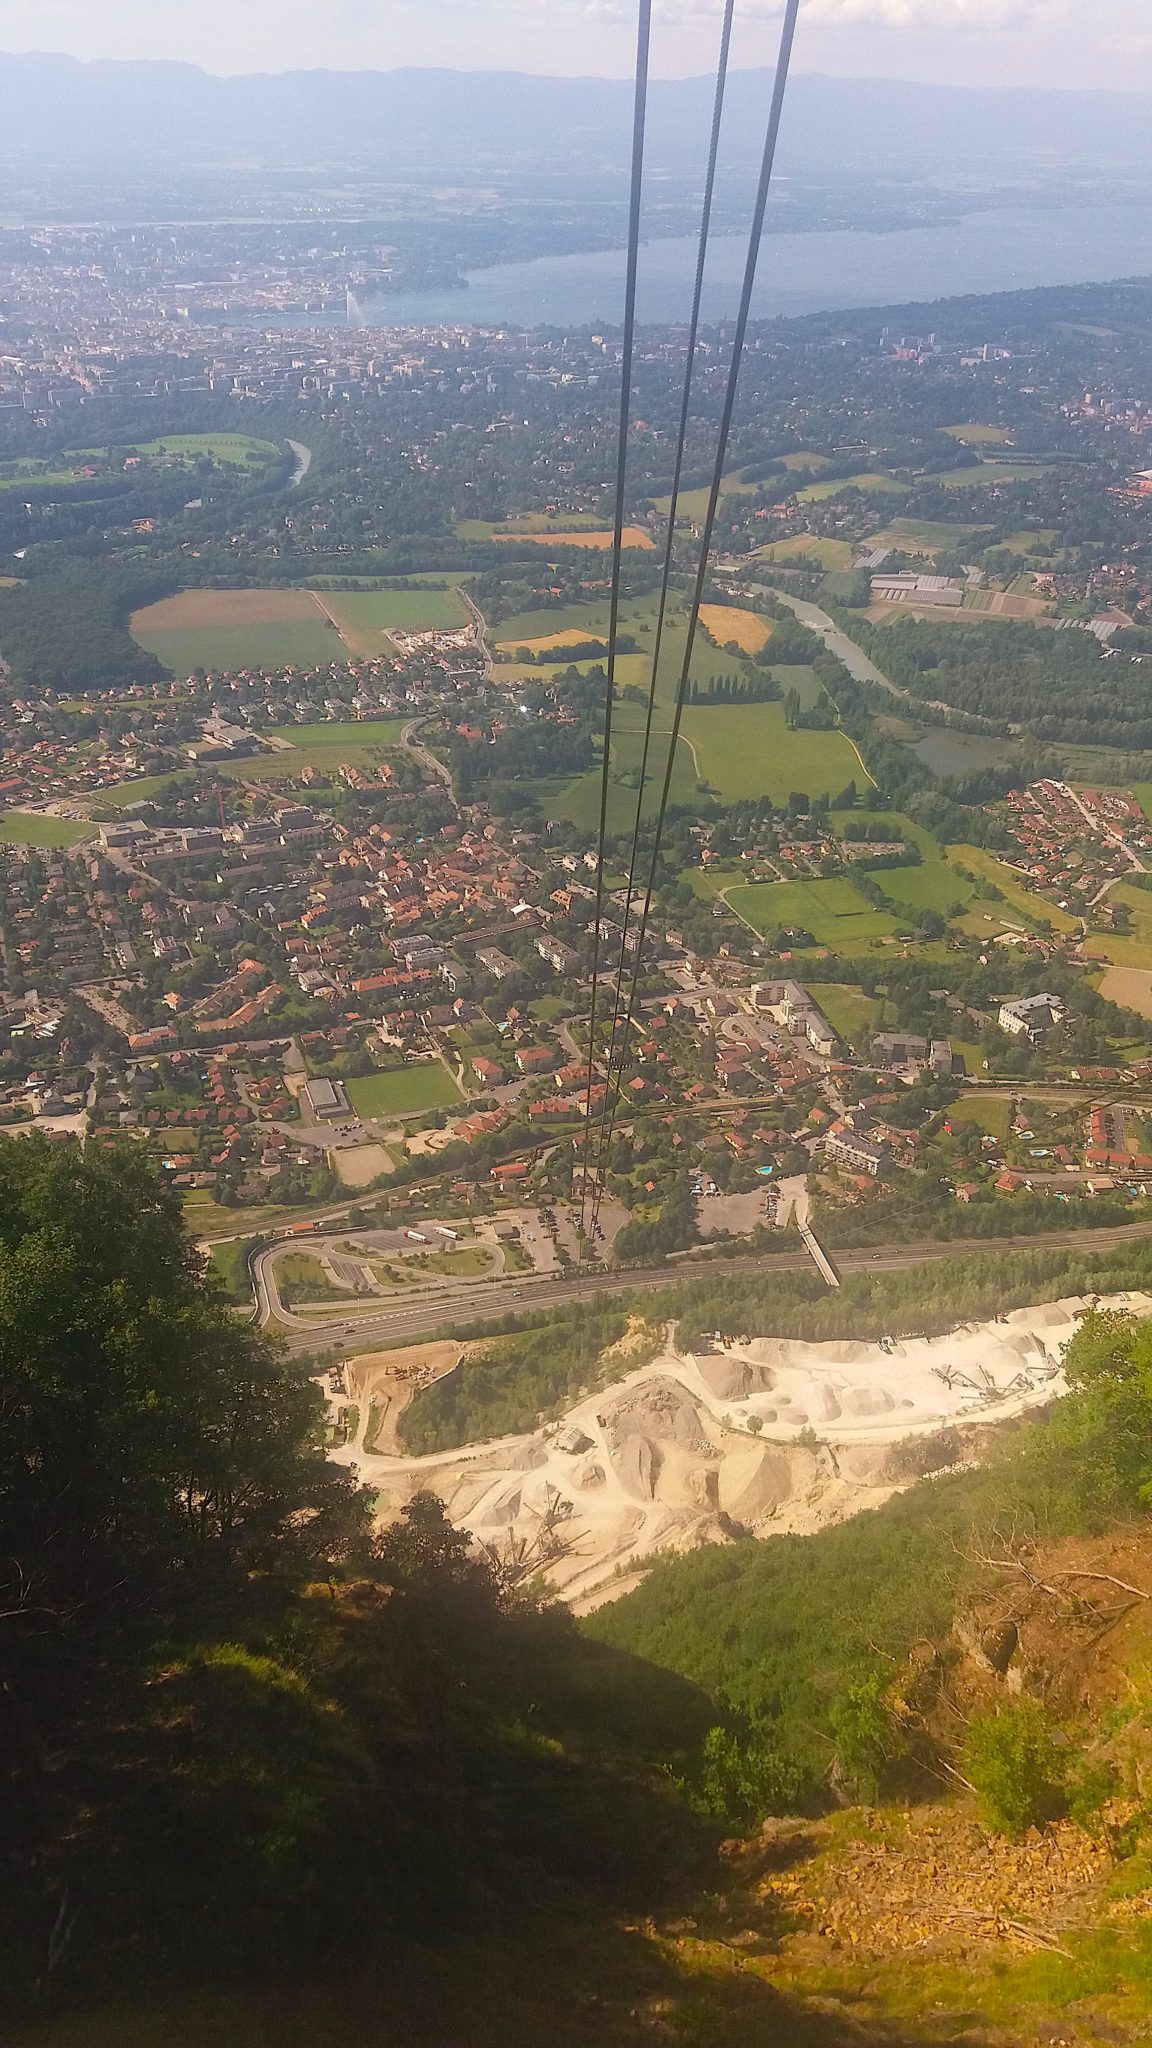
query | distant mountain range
(57,109)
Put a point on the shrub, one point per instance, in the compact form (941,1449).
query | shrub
(1012,1761)
(746,1775)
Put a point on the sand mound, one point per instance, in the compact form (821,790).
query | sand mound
(503,1510)
(868,1401)
(590,1475)
(753,1484)
(661,1409)
(637,1467)
(526,1457)
(731,1378)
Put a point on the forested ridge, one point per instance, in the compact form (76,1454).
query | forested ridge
(257,1753)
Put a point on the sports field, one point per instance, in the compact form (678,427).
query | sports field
(835,913)
(28,828)
(238,629)
(728,622)
(404,1091)
(239,448)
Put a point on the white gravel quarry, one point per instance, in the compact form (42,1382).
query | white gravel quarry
(761,1437)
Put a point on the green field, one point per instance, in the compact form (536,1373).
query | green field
(579,800)
(1017,895)
(922,536)
(1135,950)
(357,744)
(874,482)
(835,913)
(931,886)
(855,1016)
(404,1091)
(746,750)
(364,617)
(230,1264)
(1029,539)
(991,1113)
(975,436)
(305,642)
(694,504)
(810,547)
(140,791)
(240,450)
(637,619)
(25,828)
(991,473)
(15,475)
(533,522)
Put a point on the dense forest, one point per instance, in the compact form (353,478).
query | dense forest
(69,631)
(1057,686)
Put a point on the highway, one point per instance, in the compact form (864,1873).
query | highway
(458,1303)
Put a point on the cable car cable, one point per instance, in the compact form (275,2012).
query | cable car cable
(677,478)
(639,119)
(772,136)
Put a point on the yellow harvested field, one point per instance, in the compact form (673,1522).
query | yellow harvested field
(634,537)
(727,622)
(549,641)
(1130,988)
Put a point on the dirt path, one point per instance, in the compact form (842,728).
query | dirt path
(356,653)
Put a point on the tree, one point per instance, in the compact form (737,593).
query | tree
(146,1432)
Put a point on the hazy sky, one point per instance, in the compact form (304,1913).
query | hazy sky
(1104,43)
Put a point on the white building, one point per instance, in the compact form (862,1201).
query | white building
(1031,1016)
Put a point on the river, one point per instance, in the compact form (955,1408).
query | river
(994,250)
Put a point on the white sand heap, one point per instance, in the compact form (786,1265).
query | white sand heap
(762,1438)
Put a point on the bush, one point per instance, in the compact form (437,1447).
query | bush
(1012,1761)
(869,1745)
(746,1775)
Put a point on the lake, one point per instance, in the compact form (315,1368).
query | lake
(994,250)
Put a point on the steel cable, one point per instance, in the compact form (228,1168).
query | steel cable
(639,119)
(772,136)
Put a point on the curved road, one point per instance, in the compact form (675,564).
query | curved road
(426,758)
(486,1301)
